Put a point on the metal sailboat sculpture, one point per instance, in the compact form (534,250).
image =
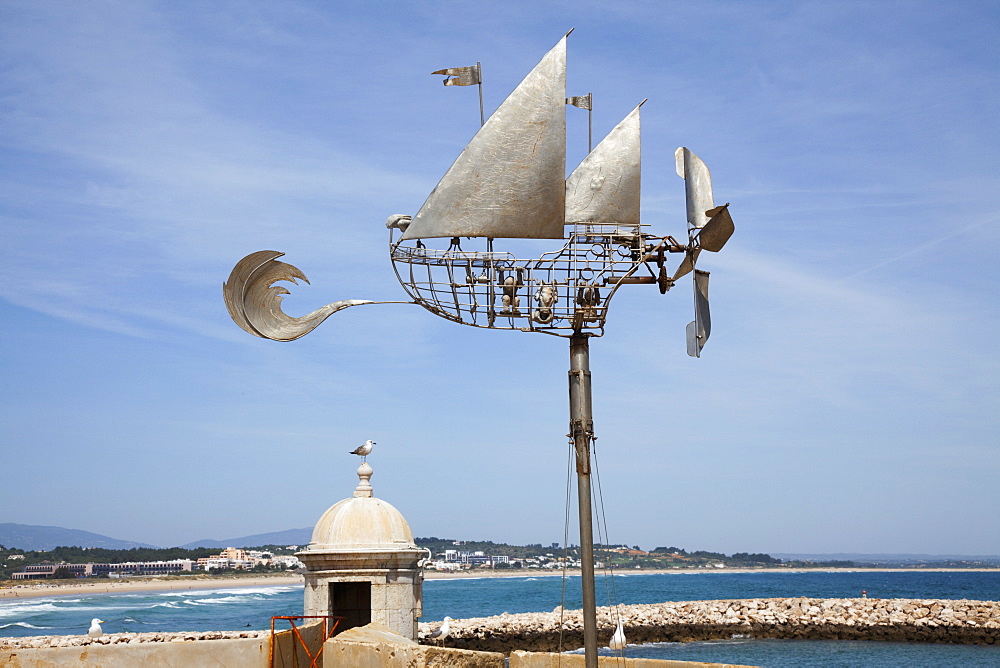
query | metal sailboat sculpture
(509,183)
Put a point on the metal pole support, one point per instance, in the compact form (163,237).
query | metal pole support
(581,424)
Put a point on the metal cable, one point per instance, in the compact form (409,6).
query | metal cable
(569,493)
(609,573)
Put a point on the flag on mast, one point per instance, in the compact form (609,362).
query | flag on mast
(461,76)
(581,101)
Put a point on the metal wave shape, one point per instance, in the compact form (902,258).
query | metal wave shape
(254,302)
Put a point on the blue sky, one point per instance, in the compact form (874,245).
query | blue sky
(848,398)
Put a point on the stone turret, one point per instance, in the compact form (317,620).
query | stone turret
(363,564)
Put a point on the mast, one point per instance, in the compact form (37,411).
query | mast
(581,424)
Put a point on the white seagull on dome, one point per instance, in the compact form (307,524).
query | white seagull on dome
(441,632)
(95,630)
(364,450)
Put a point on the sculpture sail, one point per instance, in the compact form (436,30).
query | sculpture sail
(509,182)
(604,188)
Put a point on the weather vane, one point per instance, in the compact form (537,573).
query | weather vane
(510,183)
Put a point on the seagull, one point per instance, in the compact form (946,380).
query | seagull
(442,631)
(95,630)
(617,641)
(364,450)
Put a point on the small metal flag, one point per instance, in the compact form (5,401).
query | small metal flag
(461,76)
(582,101)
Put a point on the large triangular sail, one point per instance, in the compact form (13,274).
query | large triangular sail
(605,187)
(509,180)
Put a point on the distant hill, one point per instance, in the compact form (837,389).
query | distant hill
(287,537)
(34,537)
(885,558)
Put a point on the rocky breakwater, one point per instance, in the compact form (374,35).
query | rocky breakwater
(35,642)
(899,620)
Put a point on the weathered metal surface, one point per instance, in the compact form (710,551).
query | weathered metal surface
(234,289)
(509,182)
(560,292)
(581,431)
(717,230)
(700,329)
(461,76)
(605,187)
(687,264)
(697,186)
(254,302)
(710,228)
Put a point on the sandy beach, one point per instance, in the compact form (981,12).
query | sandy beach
(106,586)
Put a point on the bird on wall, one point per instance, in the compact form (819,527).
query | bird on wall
(95,630)
(363,450)
(441,632)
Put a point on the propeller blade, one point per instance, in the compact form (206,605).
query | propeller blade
(687,265)
(699,330)
(717,230)
(697,186)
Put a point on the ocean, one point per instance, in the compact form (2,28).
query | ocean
(252,607)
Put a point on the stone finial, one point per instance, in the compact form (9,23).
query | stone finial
(364,488)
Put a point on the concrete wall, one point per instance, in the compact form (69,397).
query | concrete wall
(125,650)
(249,652)
(376,646)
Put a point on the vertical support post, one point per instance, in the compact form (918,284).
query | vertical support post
(590,127)
(479,75)
(581,422)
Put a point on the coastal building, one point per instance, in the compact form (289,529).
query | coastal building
(363,564)
(477,558)
(442,565)
(40,571)
(287,561)
(239,559)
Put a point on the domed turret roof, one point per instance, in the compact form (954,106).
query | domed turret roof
(362,523)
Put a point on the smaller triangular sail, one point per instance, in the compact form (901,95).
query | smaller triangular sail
(699,330)
(509,182)
(605,187)
(697,186)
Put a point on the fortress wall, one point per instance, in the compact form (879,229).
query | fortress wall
(249,649)
(901,620)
